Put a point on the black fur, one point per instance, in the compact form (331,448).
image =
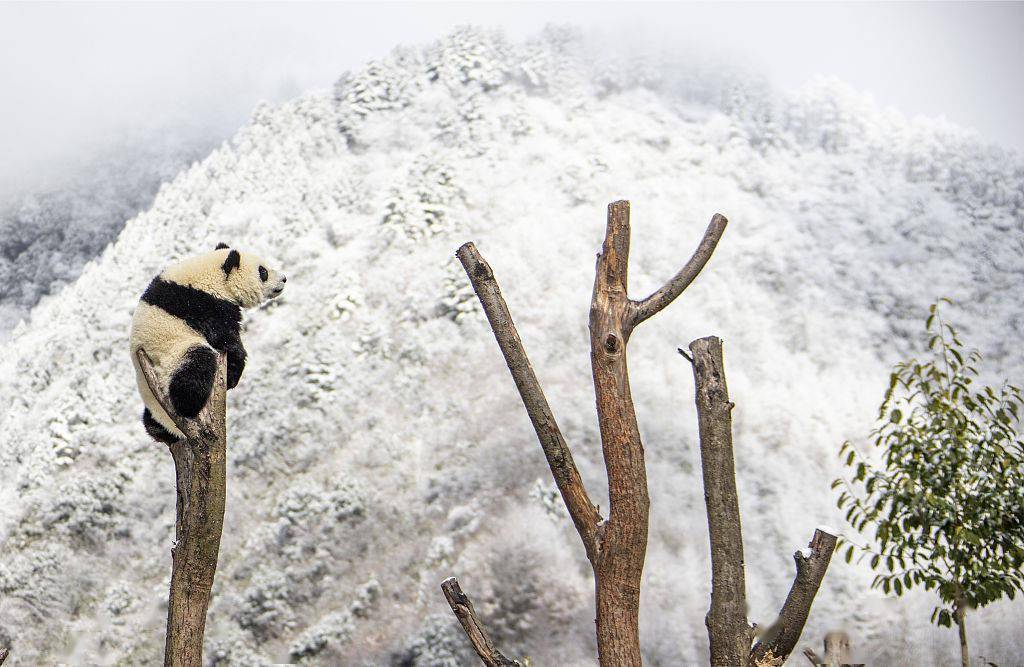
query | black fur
(233,261)
(236,363)
(191,384)
(155,430)
(221,246)
(216,319)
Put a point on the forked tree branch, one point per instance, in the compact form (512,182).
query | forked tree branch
(463,608)
(727,619)
(653,304)
(583,512)
(775,647)
(616,548)
(200,482)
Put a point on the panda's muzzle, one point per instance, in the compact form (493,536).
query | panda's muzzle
(280,288)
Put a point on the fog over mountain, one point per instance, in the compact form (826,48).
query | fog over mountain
(377,444)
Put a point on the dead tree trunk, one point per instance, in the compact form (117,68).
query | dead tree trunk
(200,481)
(728,631)
(616,547)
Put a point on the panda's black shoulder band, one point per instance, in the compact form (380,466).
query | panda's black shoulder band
(232,262)
(216,319)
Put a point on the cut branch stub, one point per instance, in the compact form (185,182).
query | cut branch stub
(775,647)
(200,482)
(583,512)
(463,608)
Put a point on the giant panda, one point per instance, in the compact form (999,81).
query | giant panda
(187,315)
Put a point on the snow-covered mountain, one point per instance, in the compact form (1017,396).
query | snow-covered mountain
(377,443)
(48,235)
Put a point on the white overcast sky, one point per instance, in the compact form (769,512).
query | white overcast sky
(78,78)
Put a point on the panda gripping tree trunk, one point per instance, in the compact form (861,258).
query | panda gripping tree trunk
(200,482)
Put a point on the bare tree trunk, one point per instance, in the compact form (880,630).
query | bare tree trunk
(960,614)
(617,547)
(620,562)
(463,609)
(200,481)
(728,631)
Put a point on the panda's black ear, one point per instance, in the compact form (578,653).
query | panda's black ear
(232,262)
(221,246)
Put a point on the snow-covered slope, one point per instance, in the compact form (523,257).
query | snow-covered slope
(377,444)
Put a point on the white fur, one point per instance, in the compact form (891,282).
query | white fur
(167,338)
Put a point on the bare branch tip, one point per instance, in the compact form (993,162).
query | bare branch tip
(685,355)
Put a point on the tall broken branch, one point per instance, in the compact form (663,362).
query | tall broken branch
(617,547)
(482,644)
(583,512)
(775,647)
(200,482)
(727,619)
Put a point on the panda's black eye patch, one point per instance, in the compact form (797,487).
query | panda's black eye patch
(264,275)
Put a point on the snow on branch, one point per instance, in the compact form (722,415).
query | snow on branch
(776,646)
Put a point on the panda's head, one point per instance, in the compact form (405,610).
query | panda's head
(245,278)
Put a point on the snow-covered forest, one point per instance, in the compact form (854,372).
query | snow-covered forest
(377,443)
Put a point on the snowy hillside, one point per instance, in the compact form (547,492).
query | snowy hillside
(48,235)
(377,443)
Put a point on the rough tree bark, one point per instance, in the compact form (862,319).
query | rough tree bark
(726,621)
(728,631)
(463,608)
(616,547)
(200,481)
(3,655)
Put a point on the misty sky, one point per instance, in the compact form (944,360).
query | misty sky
(78,79)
